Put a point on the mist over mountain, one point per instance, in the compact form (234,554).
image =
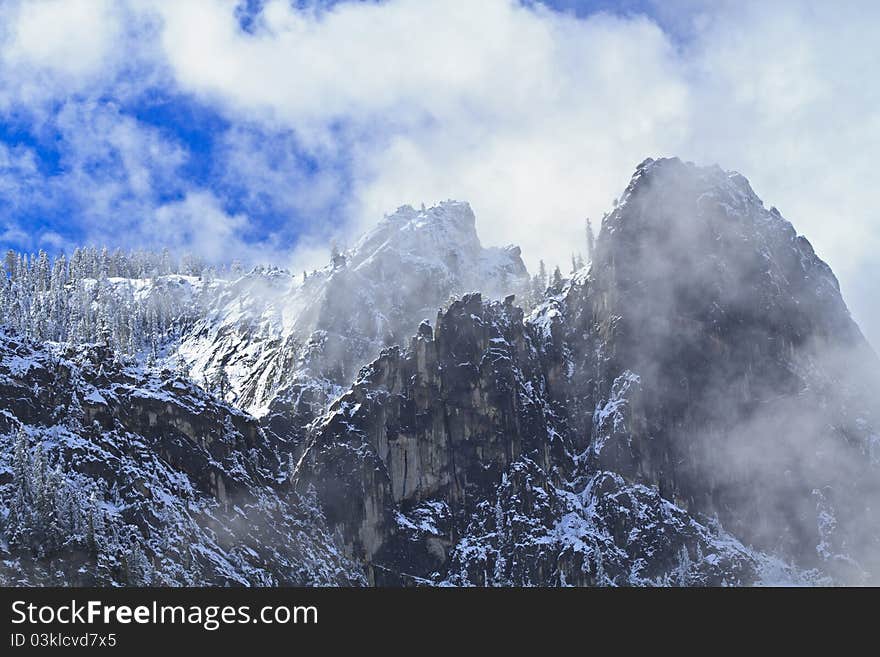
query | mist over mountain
(692,406)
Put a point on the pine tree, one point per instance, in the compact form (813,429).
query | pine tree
(591,240)
(165,266)
(92,528)
(38,477)
(682,571)
(43,272)
(20,522)
(182,367)
(52,520)
(557,279)
(105,334)
(116,267)
(221,382)
(599,567)
(537,290)
(103,264)
(134,564)
(73,513)
(76,265)
(11,264)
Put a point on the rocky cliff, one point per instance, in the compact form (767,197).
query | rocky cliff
(694,407)
(112,475)
(286,339)
(687,410)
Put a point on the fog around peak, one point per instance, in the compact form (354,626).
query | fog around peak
(126,127)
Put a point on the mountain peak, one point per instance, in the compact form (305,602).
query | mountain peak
(702,229)
(451,225)
(687,178)
(690,409)
(338,318)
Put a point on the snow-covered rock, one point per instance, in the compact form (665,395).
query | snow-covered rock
(111,474)
(272,329)
(697,407)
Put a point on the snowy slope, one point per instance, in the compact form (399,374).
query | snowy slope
(271,329)
(114,475)
(696,407)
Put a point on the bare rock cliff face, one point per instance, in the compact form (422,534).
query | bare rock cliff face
(685,411)
(756,390)
(696,407)
(110,475)
(432,429)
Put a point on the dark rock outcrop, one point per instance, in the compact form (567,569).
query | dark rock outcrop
(117,476)
(691,394)
(696,407)
(756,388)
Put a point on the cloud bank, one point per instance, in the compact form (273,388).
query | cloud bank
(334,114)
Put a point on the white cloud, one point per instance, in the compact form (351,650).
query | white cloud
(52,47)
(311,67)
(197,223)
(54,240)
(17,164)
(268,173)
(535,117)
(538,119)
(788,94)
(12,234)
(100,142)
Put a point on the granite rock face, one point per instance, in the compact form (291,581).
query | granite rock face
(111,475)
(757,398)
(694,407)
(686,410)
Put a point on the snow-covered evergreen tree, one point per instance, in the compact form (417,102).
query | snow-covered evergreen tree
(96,297)
(591,240)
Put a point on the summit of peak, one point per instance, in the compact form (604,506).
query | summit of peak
(448,208)
(706,240)
(674,174)
(456,215)
(450,225)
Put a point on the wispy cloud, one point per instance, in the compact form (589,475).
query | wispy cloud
(339,112)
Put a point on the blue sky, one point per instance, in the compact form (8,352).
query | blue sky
(261,130)
(48,208)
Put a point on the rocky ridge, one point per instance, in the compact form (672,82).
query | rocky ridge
(691,394)
(696,407)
